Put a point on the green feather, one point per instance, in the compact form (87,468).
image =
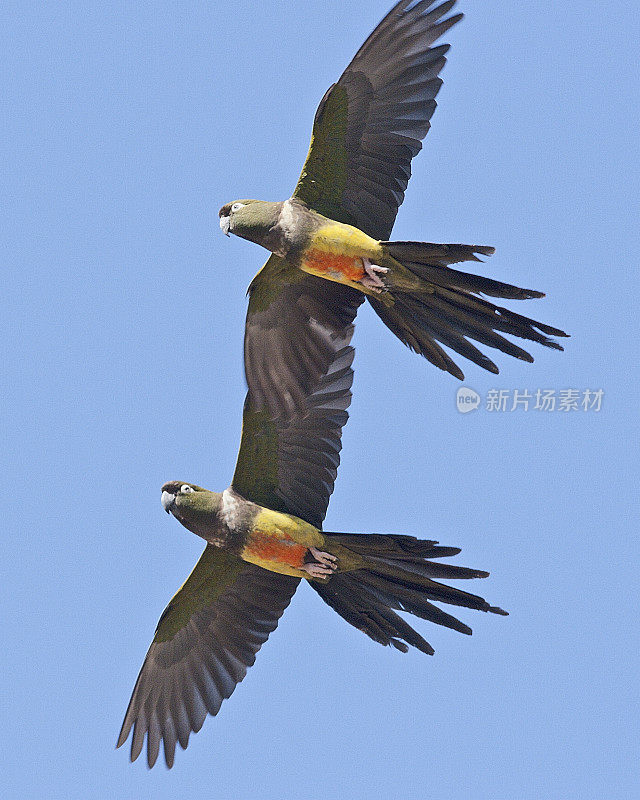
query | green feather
(268,283)
(215,570)
(324,174)
(256,474)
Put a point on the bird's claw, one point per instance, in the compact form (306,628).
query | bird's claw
(371,280)
(325,564)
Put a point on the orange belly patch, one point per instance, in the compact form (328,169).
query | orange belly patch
(266,547)
(332,265)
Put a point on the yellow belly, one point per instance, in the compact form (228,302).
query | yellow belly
(336,252)
(279,542)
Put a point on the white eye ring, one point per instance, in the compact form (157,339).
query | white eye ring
(236,206)
(185,489)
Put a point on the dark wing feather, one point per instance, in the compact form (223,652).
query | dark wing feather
(298,368)
(371,123)
(206,639)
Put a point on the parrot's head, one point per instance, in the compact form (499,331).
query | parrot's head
(249,219)
(196,508)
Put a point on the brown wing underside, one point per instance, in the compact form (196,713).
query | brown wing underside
(298,368)
(370,124)
(206,639)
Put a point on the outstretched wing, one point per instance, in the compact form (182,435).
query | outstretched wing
(371,123)
(367,129)
(299,376)
(206,639)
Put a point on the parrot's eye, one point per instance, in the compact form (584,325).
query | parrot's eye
(237,206)
(184,489)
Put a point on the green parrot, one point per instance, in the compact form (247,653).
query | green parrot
(368,127)
(255,556)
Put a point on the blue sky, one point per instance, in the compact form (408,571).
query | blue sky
(125,127)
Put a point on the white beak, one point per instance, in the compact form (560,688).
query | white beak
(168,500)
(225,224)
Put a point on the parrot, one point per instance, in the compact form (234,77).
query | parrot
(336,225)
(253,562)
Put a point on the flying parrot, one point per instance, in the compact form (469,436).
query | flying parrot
(263,536)
(367,129)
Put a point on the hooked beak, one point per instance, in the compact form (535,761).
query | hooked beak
(168,501)
(225,224)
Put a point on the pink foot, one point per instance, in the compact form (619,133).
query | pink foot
(371,279)
(325,564)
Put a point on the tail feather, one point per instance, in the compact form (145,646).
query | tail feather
(445,307)
(501,318)
(368,613)
(429,569)
(418,337)
(441,330)
(429,253)
(445,276)
(397,575)
(403,598)
(449,321)
(395,546)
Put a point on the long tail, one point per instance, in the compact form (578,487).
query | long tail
(398,576)
(446,309)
